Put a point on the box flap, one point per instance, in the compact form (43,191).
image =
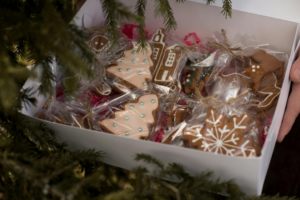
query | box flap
(271,8)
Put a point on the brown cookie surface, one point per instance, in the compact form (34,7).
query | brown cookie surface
(167,71)
(268,93)
(221,136)
(260,64)
(158,47)
(98,42)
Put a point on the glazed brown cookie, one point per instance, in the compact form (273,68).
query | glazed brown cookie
(167,71)
(133,121)
(158,47)
(220,136)
(97,43)
(260,64)
(133,69)
(177,116)
(268,92)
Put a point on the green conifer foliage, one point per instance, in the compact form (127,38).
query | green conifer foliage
(33,164)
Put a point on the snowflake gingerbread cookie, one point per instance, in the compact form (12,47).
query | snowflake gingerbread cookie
(133,121)
(222,137)
(134,68)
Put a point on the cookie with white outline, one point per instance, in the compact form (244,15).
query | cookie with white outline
(158,47)
(268,93)
(220,136)
(260,64)
(133,121)
(133,68)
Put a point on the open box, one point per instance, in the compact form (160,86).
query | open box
(249,173)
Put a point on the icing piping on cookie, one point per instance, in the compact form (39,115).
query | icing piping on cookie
(133,121)
(166,70)
(221,136)
(159,45)
(131,64)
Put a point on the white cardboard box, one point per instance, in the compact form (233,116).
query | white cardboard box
(249,173)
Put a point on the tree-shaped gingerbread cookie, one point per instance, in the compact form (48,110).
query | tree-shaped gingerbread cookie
(134,68)
(133,121)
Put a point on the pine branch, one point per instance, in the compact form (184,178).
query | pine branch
(149,159)
(163,8)
(114,12)
(227,8)
(209,2)
(140,8)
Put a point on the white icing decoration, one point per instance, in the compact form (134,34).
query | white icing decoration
(167,66)
(158,41)
(221,138)
(104,89)
(139,66)
(262,104)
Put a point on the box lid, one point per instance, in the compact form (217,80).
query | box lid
(271,8)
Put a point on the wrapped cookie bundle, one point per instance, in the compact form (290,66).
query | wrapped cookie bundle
(217,97)
(240,98)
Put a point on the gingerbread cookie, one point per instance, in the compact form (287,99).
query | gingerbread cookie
(134,69)
(158,44)
(269,91)
(221,136)
(103,89)
(97,43)
(177,116)
(197,74)
(133,121)
(260,64)
(167,71)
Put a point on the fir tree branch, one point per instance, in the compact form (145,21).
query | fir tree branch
(149,159)
(210,1)
(140,8)
(227,8)
(115,11)
(163,8)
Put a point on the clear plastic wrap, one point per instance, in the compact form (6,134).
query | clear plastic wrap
(85,110)
(223,119)
(132,69)
(197,71)
(134,115)
(218,98)
(169,58)
(170,115)
(104,49)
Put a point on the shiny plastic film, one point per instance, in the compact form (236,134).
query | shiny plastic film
(217,96)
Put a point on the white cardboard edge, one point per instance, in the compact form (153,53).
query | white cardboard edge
(277,9)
